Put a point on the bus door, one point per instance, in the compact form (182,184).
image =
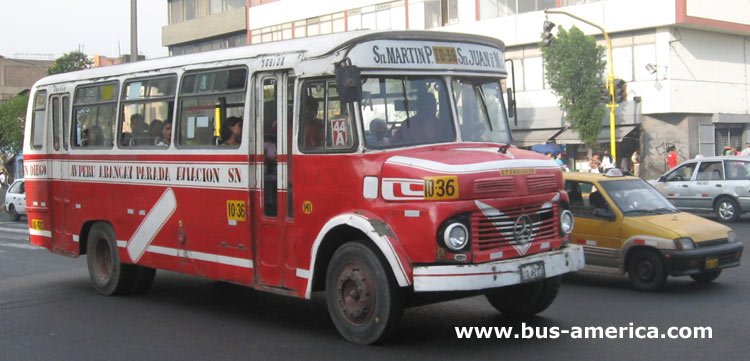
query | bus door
(273,216)
(58,188)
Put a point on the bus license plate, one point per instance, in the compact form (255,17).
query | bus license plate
(532,272)
(711,262)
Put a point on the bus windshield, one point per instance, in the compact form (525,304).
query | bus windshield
(403,111)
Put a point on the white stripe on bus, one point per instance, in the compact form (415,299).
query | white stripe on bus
(152,224)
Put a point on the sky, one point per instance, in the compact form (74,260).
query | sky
(99,27)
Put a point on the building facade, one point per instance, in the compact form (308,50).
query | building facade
(687,62)
(17,75)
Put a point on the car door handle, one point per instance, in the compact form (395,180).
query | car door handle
(684,186)
(718,185)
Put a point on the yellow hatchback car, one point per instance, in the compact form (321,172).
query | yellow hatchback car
(624,224)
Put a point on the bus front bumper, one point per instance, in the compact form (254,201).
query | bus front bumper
(495,274)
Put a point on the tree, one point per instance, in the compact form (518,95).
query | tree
(12,115)
(574,65)
(75,60)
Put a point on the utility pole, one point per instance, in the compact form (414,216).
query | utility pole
(133,31)
(610,81)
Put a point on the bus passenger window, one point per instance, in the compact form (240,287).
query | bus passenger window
(94,112)
(147,104)
(204,96)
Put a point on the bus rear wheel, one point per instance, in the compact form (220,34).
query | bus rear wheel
(523,301)
(108,275)
(364,302)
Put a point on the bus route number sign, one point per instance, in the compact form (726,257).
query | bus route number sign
(236,211)
(437,188)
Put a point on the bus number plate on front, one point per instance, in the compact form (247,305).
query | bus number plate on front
(532,272)
(236,211)
(438,188)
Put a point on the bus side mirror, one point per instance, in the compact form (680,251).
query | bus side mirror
(511,103)
(348,81)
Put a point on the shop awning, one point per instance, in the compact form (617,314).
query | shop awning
(570,136)
(529,137)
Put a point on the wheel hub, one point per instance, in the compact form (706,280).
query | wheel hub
(355,294)
(645,270)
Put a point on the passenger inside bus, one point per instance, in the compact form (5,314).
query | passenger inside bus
(92,137)
(234,132)
(378,134)
(166,134)
(425,126)
(314,128)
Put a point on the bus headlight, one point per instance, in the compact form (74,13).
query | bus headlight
(566,222)
(456,236)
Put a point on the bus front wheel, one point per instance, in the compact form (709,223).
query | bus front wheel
(364,302)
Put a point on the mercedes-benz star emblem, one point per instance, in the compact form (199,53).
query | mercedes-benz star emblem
(523,229)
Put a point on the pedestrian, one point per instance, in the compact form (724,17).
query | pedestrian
(635,159)
(2,180)
(672,157)
(728,150)
(746,151)
(594,164)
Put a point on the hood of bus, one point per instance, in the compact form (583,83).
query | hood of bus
(452,172)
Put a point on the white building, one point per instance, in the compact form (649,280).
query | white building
(687,62)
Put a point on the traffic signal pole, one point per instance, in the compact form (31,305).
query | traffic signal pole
(610,80)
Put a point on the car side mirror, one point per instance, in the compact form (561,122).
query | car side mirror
(662,179)
(604,213)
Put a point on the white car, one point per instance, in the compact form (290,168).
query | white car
(15,200)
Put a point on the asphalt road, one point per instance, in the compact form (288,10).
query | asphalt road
(48,311)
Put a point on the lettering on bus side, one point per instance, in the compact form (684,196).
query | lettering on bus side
(158,172)
(272,62)
(35,170)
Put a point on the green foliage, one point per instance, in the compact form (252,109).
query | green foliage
(12,116)
(75,60)
(574,65)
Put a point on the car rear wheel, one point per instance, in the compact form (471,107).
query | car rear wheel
(706,277)
(523,301)
(13,213)
(727,209)
(646,270)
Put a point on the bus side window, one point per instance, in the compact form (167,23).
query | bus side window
(146,107)
(200,95)
(94,113)
(326,123)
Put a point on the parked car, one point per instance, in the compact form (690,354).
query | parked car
(711,184)
(15,200)
(625,225)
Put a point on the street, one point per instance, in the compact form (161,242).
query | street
(48,311)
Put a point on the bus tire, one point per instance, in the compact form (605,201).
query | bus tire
(13,213)
(523,301)
(364,302)
(108,275)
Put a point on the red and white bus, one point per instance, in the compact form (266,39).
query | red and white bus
(372,166)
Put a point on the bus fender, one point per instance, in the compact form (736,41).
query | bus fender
(381,236)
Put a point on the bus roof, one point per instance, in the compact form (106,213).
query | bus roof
(307,48)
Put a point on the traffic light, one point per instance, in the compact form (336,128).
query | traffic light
(547,33)
(621,91)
